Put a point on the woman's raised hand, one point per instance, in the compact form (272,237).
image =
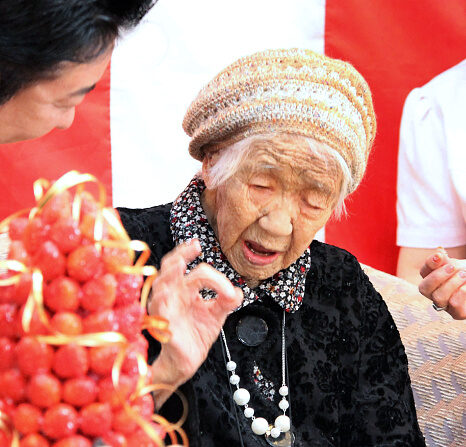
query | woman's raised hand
(444,282)
(194,322)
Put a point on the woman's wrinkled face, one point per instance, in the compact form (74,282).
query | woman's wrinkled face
(268,212)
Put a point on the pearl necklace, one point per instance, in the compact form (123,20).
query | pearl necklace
(241,396)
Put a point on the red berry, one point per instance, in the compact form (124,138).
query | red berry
(50,261)
(7,406)
(130,320)
(115,257)
(35,234)
(115,439)
(89,205)
(23,289)
(99,293)
(96,419)
(84,263)
(103,358)
(102,321)
(141,439)
(145,406)
(18,252)
(12,384)
(66,234)
(7,292)
(80,392)
(58,207)
(33,357)
(62,294)
(27,419)
(128,289)
(59,421)
(67,323)
(8,320)
(140,346)
(73,441)
(7,353)
(124,423)
(108,393)
(15,293)
(17,227)
(34,440)
(44,390)
(70,361)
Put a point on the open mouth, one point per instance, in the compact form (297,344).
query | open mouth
(258,255)
(258,249)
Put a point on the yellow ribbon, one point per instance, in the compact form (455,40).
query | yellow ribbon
(141,390)
(6,425)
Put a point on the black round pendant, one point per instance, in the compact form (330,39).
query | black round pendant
(251,330)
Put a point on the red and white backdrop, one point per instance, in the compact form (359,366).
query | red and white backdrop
(128,131)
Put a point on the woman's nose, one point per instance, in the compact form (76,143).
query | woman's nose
(277,222)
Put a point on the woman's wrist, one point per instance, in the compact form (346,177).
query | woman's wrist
(167,371)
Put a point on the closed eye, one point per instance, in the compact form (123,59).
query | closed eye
(314,205)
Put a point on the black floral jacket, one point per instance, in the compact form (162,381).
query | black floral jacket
(347,368)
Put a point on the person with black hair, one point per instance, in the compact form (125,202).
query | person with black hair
(53,52)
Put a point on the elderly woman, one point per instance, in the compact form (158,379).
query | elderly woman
(311,355)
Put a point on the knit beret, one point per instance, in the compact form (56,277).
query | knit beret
(294,91)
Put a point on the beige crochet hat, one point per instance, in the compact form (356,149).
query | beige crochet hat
(293,91)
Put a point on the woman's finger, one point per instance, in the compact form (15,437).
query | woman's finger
(457,303)
(435,279)
(171,272)
(441,296)
(433,262)
(187,251)
(205,276)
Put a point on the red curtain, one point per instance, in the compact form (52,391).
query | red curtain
(397,45)
(85,147)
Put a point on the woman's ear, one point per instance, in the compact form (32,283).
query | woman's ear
(207,163)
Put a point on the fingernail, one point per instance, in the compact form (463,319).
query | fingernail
(463,274)
(436,258)
(449,268)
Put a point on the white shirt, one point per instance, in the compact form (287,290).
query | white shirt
(431,186)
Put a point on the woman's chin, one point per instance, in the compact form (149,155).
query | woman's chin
(254,274)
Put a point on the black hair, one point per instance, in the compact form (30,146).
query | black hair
(37,36)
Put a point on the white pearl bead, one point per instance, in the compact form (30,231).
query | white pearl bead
(283,423)
(249,412)
(275,432)
(283,390)
(231,365)
(259,426)
(234,379)
(283,404)
(241,396)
